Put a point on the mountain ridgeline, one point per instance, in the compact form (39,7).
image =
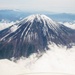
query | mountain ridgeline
(33,35)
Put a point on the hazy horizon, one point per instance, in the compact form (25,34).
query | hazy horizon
(59,6)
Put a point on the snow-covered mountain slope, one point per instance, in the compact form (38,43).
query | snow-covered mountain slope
(33,35)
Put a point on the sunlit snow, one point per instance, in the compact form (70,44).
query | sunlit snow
(14,28)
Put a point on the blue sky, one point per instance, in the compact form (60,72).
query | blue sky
(67,6)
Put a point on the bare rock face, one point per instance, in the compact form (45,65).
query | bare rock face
(32,35)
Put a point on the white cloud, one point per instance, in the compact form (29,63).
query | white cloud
(57,61)
(5,24)
(69,24)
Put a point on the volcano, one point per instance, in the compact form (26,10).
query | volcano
(33,34)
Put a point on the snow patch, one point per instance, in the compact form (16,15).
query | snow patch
(13,28)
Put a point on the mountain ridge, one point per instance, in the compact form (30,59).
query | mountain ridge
(32,35)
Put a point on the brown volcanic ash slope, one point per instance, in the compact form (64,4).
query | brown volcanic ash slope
(32,35)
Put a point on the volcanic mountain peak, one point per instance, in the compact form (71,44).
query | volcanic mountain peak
(32,35)
(39,22)
(38,18)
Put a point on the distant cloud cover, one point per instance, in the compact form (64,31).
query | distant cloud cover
(40,5)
